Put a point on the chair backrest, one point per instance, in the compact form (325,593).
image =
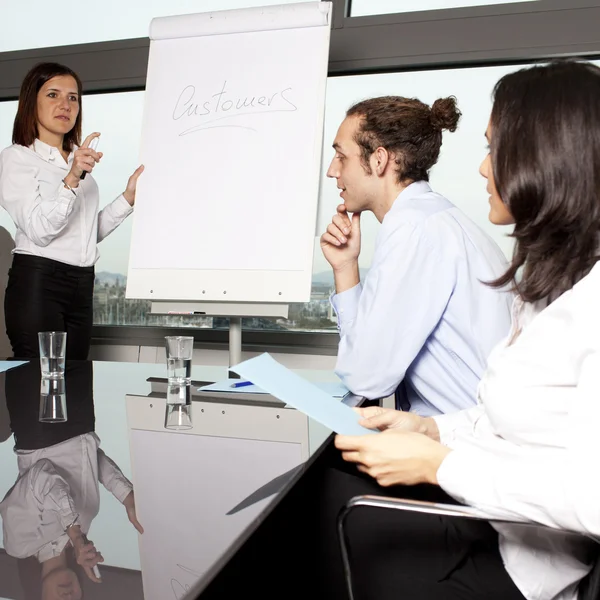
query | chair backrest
(589,588)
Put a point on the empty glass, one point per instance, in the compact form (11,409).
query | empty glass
(53,346)
(53,401)
(179,358)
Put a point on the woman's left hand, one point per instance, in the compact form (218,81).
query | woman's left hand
(129,192)
(394,457)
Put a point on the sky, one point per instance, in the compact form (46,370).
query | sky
(381,7)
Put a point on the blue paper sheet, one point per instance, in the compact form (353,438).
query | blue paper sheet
(333,389)
(292,389)
(5,365)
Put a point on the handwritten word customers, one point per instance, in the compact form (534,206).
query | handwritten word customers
(223,105)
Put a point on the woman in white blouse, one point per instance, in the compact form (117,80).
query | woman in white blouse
(55,207)
(529,450)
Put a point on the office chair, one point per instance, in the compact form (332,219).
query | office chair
(589,588)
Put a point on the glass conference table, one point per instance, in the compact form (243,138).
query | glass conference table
(201,494)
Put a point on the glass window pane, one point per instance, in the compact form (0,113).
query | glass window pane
(100,22)
(119,116)
(455,175)
(7,116)
(361,8)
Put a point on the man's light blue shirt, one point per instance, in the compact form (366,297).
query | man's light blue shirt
(423,313)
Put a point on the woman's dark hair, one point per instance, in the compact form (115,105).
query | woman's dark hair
(406,127)
(25,128)
(545,151)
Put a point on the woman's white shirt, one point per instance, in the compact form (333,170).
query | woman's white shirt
(51,220)
(57,487)
(529,451)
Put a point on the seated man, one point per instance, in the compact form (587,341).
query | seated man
(424,322)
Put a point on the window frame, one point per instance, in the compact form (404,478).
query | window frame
(359,45)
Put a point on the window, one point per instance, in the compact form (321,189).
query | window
(99,21)
(7,116)
(361,8)
(119,116)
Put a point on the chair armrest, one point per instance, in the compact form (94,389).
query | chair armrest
(589,588)
(433,508)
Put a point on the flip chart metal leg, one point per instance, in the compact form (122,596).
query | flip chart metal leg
(235,343)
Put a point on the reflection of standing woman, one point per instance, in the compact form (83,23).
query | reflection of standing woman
(48,512)
(50,286)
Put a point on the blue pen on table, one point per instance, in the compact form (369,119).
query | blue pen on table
(240,384)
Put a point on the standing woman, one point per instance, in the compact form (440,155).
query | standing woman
(56,212)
